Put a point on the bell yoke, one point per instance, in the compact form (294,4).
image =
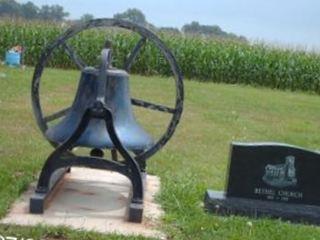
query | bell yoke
(101,117)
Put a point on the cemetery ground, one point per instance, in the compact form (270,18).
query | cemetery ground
(195,159)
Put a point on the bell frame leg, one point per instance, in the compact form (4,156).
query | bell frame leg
(135,210)
(62,159)
(51,175)
(143,166)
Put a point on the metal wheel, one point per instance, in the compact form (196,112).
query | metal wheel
(145,34)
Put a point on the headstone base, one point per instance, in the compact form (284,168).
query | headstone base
(217,202)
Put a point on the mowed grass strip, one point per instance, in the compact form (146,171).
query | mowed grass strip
(195,159)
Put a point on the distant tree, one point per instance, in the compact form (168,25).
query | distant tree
(86,17)
(243,38)
(58,13)
(45,12)
(54,13)
(29,10)
(9,8)
(171,30)
(133,15)
(212,30)
(194,28)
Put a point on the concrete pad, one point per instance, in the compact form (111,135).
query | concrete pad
(90,199)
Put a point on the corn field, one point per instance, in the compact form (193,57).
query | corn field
(200,59)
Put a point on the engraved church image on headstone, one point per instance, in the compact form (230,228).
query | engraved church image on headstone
(270,179)
(281,175)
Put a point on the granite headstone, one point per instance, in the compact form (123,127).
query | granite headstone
(270,179)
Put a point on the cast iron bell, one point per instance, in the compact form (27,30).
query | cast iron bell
(117,99)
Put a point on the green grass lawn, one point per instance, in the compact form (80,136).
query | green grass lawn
(195,159)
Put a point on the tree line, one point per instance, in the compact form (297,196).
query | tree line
(28,10)
(194,28)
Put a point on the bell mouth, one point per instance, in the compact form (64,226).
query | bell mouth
(110,72)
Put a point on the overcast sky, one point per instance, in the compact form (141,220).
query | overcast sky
(286,22)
